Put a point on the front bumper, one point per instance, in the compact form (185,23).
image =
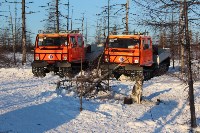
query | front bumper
(45,64)
(127,67)
(39,64)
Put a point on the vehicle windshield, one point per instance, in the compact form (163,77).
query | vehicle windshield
(52,41)
(123,43)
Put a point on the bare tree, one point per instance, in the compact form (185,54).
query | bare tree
(14,38)
(154,17)
(54,17)
(190,79)
(23,33)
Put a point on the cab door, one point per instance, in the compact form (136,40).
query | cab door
(74,48)
(80,48)
(146,52)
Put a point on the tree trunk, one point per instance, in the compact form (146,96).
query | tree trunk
(172,40)
(127,12)
(181,37)
(23,34)
(57,18)
(190,80)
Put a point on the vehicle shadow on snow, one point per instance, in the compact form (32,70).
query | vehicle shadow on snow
(159,114)
(174,70)
(43,117)
(198,121)
(35,80)
(150,97)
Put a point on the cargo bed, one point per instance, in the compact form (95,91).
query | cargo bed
(162,55)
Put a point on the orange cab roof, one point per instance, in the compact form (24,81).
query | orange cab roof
(52,34)
(56,34)
(128,36)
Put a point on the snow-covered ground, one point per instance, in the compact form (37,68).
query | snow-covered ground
(32,105)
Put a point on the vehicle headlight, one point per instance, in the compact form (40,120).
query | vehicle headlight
(136,60)
(65,58)
(37,57)
(106,59)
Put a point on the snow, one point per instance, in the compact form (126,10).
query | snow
(32,105)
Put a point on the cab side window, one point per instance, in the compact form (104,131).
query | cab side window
(80,41)
(73,41)
(146,44)
(143,42)
(149,43)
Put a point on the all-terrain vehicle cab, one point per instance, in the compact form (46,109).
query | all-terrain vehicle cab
(57,52)
(137,56)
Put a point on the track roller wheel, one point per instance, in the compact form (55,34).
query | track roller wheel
(38,71)
(148,75)
(65,72)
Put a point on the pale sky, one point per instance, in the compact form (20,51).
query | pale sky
(89,7)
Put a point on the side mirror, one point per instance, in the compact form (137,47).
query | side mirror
(32,50)
(66,43)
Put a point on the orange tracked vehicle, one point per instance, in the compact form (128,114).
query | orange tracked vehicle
(137,55)
(58,52)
